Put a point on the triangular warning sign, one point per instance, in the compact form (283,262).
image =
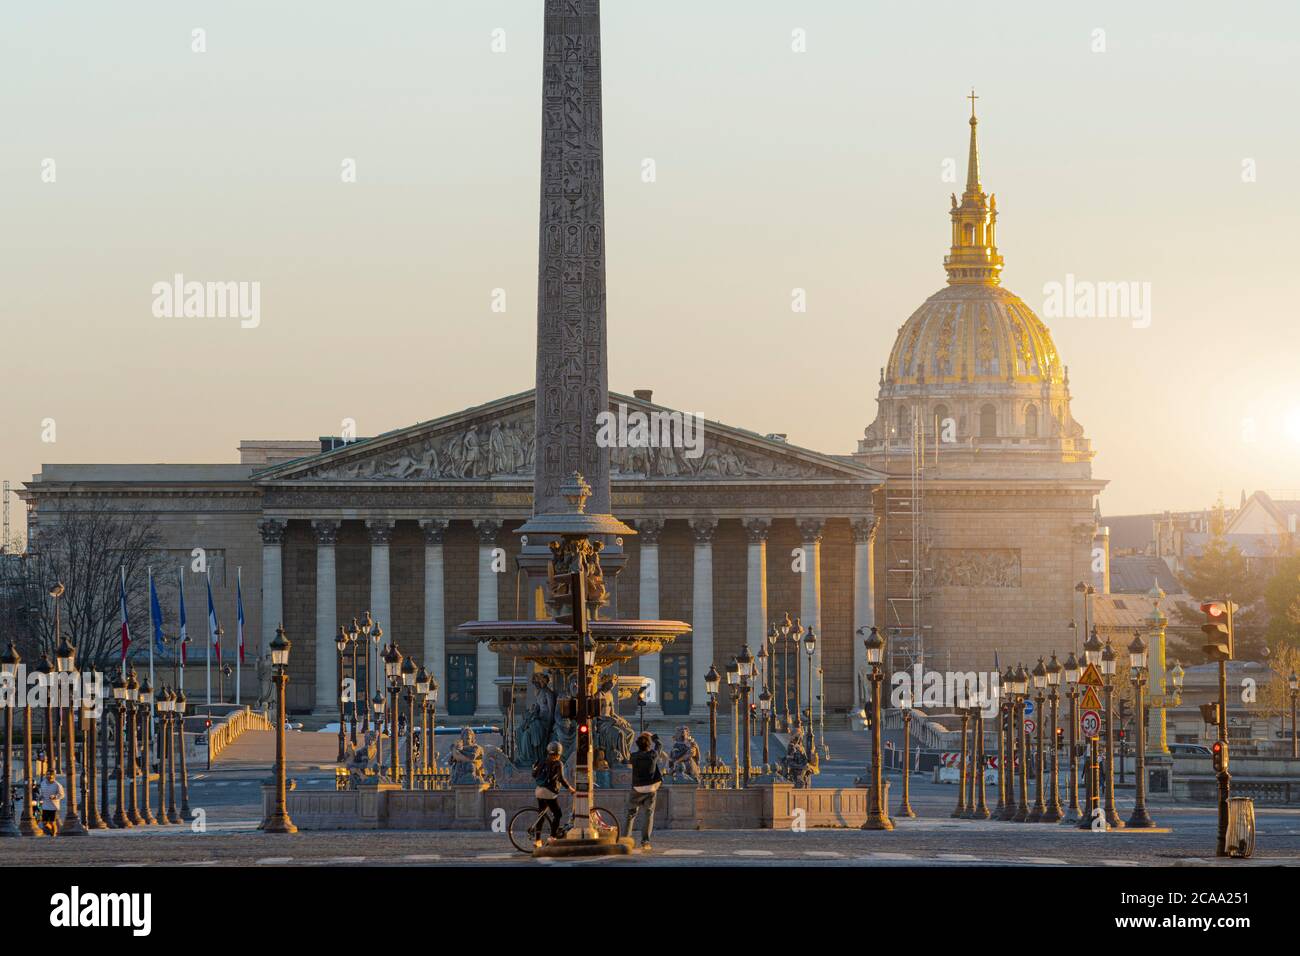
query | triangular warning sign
(1090,701)
(1090,677)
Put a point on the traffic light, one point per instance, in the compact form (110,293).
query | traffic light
(1210,714)
(1218,629)
(571,602)
(1060,737)
(1219,751)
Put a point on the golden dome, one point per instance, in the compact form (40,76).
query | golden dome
(974,330)
(973,333)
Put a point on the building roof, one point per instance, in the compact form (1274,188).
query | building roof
(1134,574)
(1130,533)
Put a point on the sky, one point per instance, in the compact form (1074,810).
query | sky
(795,145)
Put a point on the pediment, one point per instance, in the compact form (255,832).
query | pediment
(495,442)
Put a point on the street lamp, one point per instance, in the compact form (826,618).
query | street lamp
(765,714)
(1004,688)
(1006,728)
(279,821)
(1108,658)
(961,811)
(1055,814)
(377,708)
(711,680)
(810,648)
(341,645)
(905,808)
(167,705)
(9,662)
(409,671)
(66,658)
(733,683)
(1137,657)
(433,721)
(393,674)
(1040,684)
(1072,674)
(144,706)
(794,636)
(120,699)
(422,691)
(133,748)
(746,664)
(1020,687)
(181,703)
(877,817)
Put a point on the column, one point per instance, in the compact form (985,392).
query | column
(702,611)
(864,598)
(810,602)
(272,530)
(648,531)
(756,583)
(435,621)
(327,691)
(488,699)
(381,532)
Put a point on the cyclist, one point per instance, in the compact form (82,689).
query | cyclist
(548,773)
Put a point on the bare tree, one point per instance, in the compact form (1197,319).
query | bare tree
(85,548)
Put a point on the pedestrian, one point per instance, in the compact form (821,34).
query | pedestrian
(51,796)
(548,774)
(646,779)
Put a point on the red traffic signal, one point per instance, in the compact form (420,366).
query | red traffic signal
(1218,629)
(582,728)
(1219,751)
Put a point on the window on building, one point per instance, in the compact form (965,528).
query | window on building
(988,422)
(1031,421)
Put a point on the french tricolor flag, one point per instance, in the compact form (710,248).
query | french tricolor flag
(126,621)
(213,626)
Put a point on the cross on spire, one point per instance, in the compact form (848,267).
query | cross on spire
(972,99)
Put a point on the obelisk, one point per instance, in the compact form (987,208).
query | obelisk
(572,360)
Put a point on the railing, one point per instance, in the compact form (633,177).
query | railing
(232,727)
(435,778)
(717,778)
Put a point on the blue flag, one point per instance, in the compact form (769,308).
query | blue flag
(155,613)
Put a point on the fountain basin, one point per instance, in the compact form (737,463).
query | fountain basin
(552,644)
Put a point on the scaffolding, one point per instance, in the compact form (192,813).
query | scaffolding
(907,545)
(4,541)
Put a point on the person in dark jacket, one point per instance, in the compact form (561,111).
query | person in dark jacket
(646,779)
(549,775)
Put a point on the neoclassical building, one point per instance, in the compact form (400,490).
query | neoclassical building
(961,523)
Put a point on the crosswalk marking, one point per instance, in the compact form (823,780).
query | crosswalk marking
(346,859)
(882,855)
(418,857)
(959,857)
(829,854)
(1044,860)
(198,862)
(682,852)
(273,860)
(754,853)
(496,856)
(1119,863)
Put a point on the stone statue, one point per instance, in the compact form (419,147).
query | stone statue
(795,766)
(265,693)
(614,734)
(684,758)
(466,758)
(361,759)
(535,730)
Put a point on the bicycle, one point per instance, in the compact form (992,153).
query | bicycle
(528,825)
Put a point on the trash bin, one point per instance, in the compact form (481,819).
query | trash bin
(1241,827)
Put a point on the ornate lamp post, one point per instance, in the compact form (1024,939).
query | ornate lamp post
(1072,671)
(409,670)
(733,683)
(794,636)
(89,806)
(341,644)
(133,748)
(1040,684)
(765,714)
(1018,727)
(1108,658)
(711,681)
(432,699)
(905,808)
(1293,683)
(279,821)
(422,692)
(1003,689)
(1008,724)
(121,820)
(979,809)
(145,707)
(377,708)
(358,694)
(746,664)
(1137,657)
(1092,651)
(810,648)
(961,811)
(782,631)
(160,745)
(168,707)
(1055,813)
(393,674)
(65,659)
(182,702)
(9,662)
(877,817)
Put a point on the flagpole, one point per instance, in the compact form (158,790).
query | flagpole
(239,651)
(183,634)
(125,625)
(207,653)
(153,636)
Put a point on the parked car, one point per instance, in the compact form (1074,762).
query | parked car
(1193,750)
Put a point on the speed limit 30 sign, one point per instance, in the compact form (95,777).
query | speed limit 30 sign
(1090,723)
